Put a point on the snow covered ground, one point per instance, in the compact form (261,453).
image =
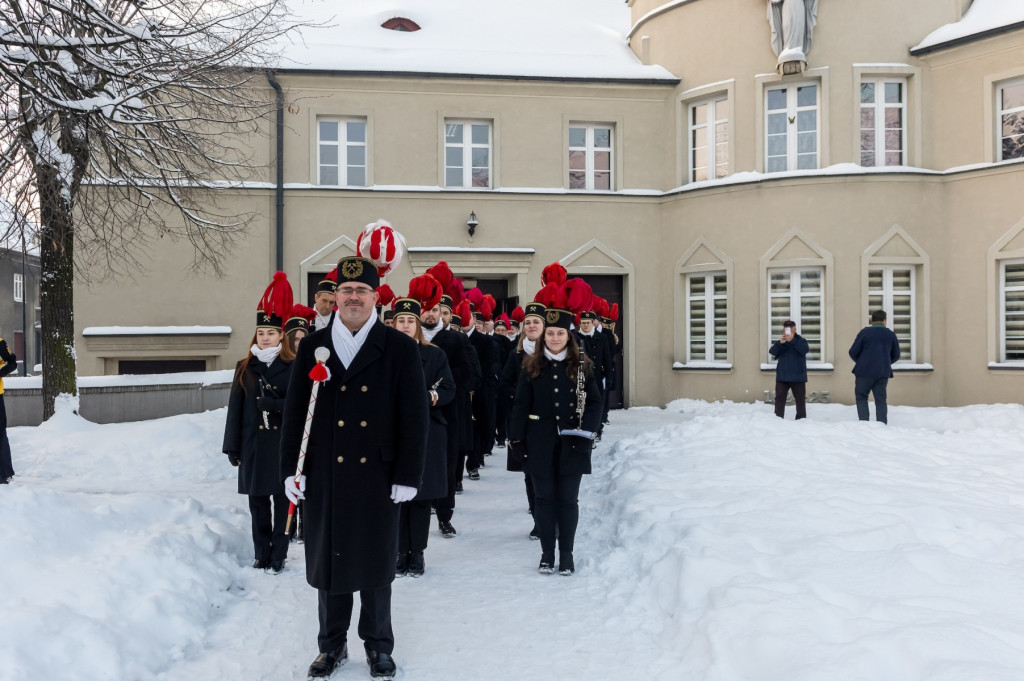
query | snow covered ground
(717,543)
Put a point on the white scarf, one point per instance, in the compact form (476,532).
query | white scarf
(529,346)
(472,330)
(266,356)
(321,321)
(584,333)
(346,343)
(560,357)
(429,333)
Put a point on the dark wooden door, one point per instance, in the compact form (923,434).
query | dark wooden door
(610,287)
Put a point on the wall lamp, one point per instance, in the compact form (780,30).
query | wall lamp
(472,223)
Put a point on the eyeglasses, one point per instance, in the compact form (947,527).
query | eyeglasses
(361,292)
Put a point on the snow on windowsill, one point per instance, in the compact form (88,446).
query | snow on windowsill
(702,366)
(811,366)
(1006,366)
(909,367)
(156,331)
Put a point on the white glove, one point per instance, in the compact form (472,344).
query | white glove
(400,493)
(294,491)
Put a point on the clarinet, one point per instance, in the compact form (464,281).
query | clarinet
(581,392)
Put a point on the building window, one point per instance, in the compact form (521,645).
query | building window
(467,154)
(709,139)
(883,130)
(341,152)
(590,157)
(19,288)
(1010,122)
(791,124)
(1011,311)
(891,288)
(798,294)
(707,314)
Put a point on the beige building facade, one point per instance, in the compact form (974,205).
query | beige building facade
(715,197)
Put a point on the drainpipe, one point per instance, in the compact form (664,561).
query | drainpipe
(279,189)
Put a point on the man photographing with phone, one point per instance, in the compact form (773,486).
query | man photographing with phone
(790,370)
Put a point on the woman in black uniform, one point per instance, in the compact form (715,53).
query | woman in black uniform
(252,435)
(555,415)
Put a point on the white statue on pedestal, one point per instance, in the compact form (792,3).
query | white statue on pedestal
(792,23)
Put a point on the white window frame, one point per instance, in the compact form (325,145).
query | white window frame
(342,144)
(19,288)
(792,114)
(887,293)
(879,107)
(590,149)
(795,311)
(718,114)
(1000,112)
(709,299)
(1002,308)
(467,145)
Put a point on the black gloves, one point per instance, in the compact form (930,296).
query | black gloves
(234,459)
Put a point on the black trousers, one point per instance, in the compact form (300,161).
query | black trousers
(445,506)
(6,462)
(782,389)
(529,492)
(877,386)
(483,427)
(413,525)
(269,541)
(556,508)
(374,620)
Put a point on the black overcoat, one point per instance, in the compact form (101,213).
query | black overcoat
(245,434)
(507,390)
(438,378)
(465,367)
(596,348)
(369,432)
(543,405)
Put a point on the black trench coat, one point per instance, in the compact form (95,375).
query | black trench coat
(543,405)
(244,432)
(369,431)
(438,378)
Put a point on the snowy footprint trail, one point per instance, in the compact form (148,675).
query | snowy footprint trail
(716,543)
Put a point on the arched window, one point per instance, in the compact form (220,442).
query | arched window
(401,24)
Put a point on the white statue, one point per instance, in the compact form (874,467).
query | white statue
(792,23)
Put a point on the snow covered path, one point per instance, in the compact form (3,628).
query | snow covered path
(716,543)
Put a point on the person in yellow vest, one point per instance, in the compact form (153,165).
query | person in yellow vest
(9,365)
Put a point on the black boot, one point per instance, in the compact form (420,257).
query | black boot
(565,565)
(381,665)
(416,564)
(325,663)
(447,531)
(402,565)
(261,564)
(547,564)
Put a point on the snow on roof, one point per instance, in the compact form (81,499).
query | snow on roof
(517,38)
(983,15)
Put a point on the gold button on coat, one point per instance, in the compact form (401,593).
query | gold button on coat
(261,427)
(341,459)
(341,424)
(362,460)
(362,423)
(344,388)
(365,388)
(556,404)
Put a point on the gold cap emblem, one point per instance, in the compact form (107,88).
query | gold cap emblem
(352,269)
(552,316)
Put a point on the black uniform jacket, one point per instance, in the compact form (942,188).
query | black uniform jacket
(507,390)
(369,431)
(611,377)
(543,405)
(596,348)
(465,367)
(439,378)
(245,434)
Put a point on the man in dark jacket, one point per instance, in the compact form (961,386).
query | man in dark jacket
(791,370)
(873,352)
(365,455)
(485,396)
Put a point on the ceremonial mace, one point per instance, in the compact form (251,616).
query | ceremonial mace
(319,374)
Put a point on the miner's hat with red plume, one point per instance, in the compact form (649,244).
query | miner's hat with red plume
(424,293)
(276,304)
(503,320)
(329,283)
(564,301)
(517,316)
(300,319)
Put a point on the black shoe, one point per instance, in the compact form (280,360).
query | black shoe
(447,531)
(6,481)
(325,663)
(565,565)
(261,564)
(547,564)
(458,488)
(381,665)
(276,568)
(402,565)
(474,474)
(501,445)
(598,438)
(417,566)
(533,534)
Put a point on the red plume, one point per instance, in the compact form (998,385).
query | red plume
(457,292)
(475,296)
(307,313)
(613,314)
(332,275)
(552,295)
(518,314)
(504,318)
(382,244)
(444,276)
(578,295)
(277,300)
(425,289)
(487,306)
(465,313)
(600,306)
(553,274)
(386,295)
